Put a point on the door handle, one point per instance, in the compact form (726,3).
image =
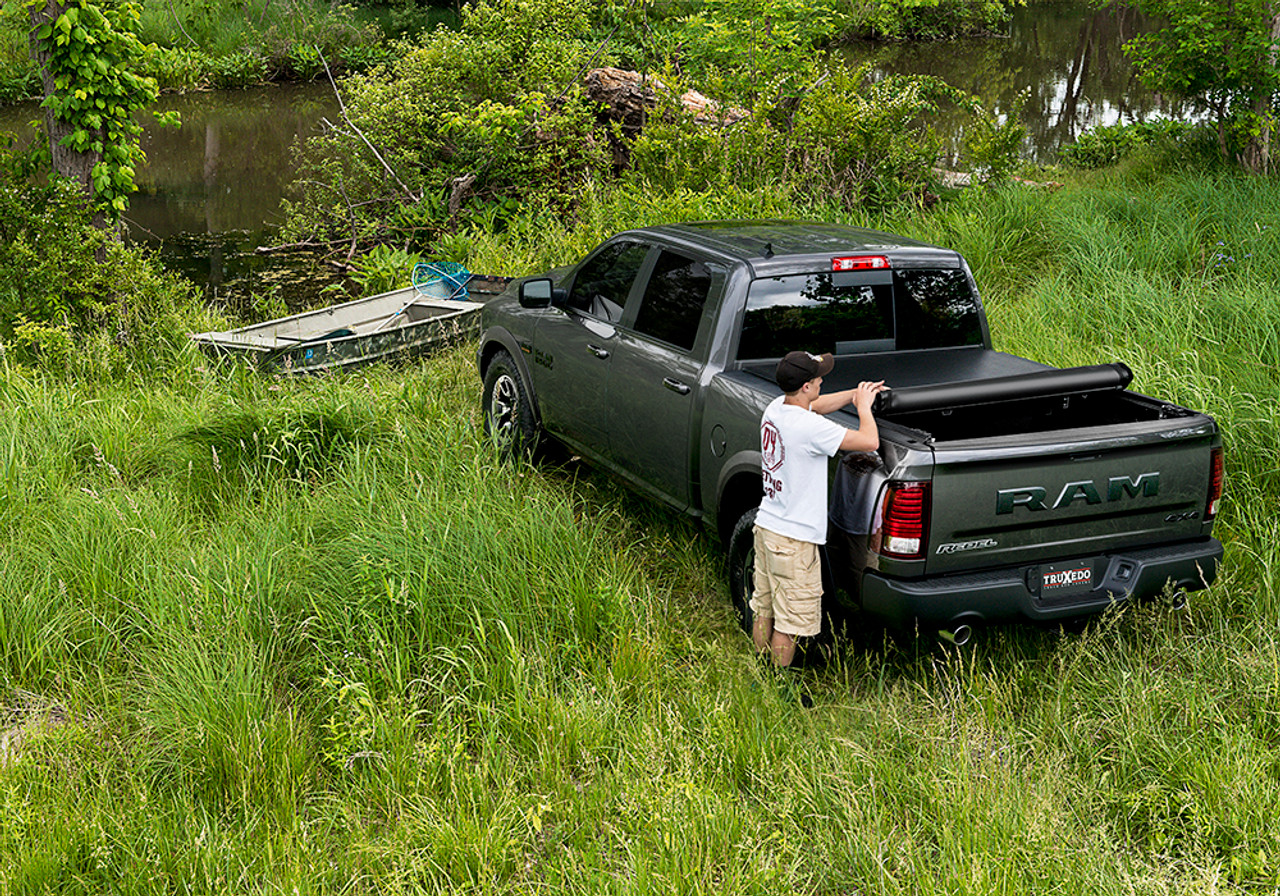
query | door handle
(675,385)
(597,351)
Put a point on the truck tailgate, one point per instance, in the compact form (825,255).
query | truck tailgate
(1073,493)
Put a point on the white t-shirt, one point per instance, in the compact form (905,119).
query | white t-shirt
(795,444)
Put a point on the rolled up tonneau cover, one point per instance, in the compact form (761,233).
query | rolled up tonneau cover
(1045,384)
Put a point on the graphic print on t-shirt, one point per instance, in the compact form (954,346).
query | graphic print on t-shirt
(771,445)
(773,452)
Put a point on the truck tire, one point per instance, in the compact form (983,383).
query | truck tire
(742,557)
(508,408)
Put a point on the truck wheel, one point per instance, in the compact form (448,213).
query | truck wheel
(742,564)
(508,409)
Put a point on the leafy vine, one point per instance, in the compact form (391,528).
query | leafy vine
(88,53)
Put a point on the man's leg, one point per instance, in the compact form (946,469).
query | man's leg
(762,633)
(796,598)
(782,647)
(761,597)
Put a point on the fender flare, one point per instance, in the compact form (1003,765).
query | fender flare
(495,338)
(746,463)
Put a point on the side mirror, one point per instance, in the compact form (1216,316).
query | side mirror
(541,293)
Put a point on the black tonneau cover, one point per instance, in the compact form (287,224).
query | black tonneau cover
(1043,384)
(901,370)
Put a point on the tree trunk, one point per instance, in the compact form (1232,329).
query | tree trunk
(78,166)
(1257,155)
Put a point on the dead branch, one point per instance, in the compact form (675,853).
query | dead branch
(342,107)
(298,247)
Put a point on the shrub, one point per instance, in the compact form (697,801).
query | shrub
(487,125)
(1107,144)
(61,278)
(491,102)
(384,269)
(840,139)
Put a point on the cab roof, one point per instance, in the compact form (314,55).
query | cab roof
(772,247)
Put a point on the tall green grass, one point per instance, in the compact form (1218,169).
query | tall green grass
(263,634)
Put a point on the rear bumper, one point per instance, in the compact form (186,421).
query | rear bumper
(1011,593)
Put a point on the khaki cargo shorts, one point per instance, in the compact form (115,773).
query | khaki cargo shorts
(788,583)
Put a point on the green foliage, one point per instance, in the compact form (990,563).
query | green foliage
(384,268)
(841,138)
(252,450)
(1222,54)
(91,59)
(395,664)
(286,38)
(198,44)
(1105,145)
(487,125)
(740,48)
(45,344)
(493,100)
(19,78)
(53,287)
(930,19)
(992,147)
(742,39)
(48,270)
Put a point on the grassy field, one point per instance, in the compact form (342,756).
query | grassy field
(312,636)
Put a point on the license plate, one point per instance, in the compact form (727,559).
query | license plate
(1065,579)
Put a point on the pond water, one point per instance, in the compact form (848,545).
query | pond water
(1061,63)
(211,190)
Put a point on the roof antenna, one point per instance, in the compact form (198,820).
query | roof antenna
(768,250)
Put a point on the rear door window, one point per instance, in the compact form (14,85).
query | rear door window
(674,298)
(833,312)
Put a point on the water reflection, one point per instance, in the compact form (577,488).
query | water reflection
(210,191)
(1063,59)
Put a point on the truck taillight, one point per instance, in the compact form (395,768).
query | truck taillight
(903,530)
(1215,484)
(860,263)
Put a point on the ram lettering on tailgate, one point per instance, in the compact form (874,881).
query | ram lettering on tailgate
(1117,488)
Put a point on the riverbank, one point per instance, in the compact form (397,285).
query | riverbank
(267,634)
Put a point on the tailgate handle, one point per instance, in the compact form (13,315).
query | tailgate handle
(597,351)
(675,385)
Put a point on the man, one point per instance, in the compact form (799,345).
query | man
(795,441)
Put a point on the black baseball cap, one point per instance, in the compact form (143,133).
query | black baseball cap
(797,368)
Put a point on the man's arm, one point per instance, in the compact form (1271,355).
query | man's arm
(867,436)
(834,401)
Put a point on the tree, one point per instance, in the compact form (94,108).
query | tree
(1222,53)
(87,54)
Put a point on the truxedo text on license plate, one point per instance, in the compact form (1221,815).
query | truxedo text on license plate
(1065,578)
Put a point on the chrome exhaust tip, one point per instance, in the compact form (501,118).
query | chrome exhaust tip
(958,635)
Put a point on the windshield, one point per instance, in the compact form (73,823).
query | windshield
(859,312)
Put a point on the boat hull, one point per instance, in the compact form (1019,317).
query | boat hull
(395,325)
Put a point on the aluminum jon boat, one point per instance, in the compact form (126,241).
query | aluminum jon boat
(399,324)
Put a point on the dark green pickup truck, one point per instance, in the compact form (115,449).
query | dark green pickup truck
(1002,488)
